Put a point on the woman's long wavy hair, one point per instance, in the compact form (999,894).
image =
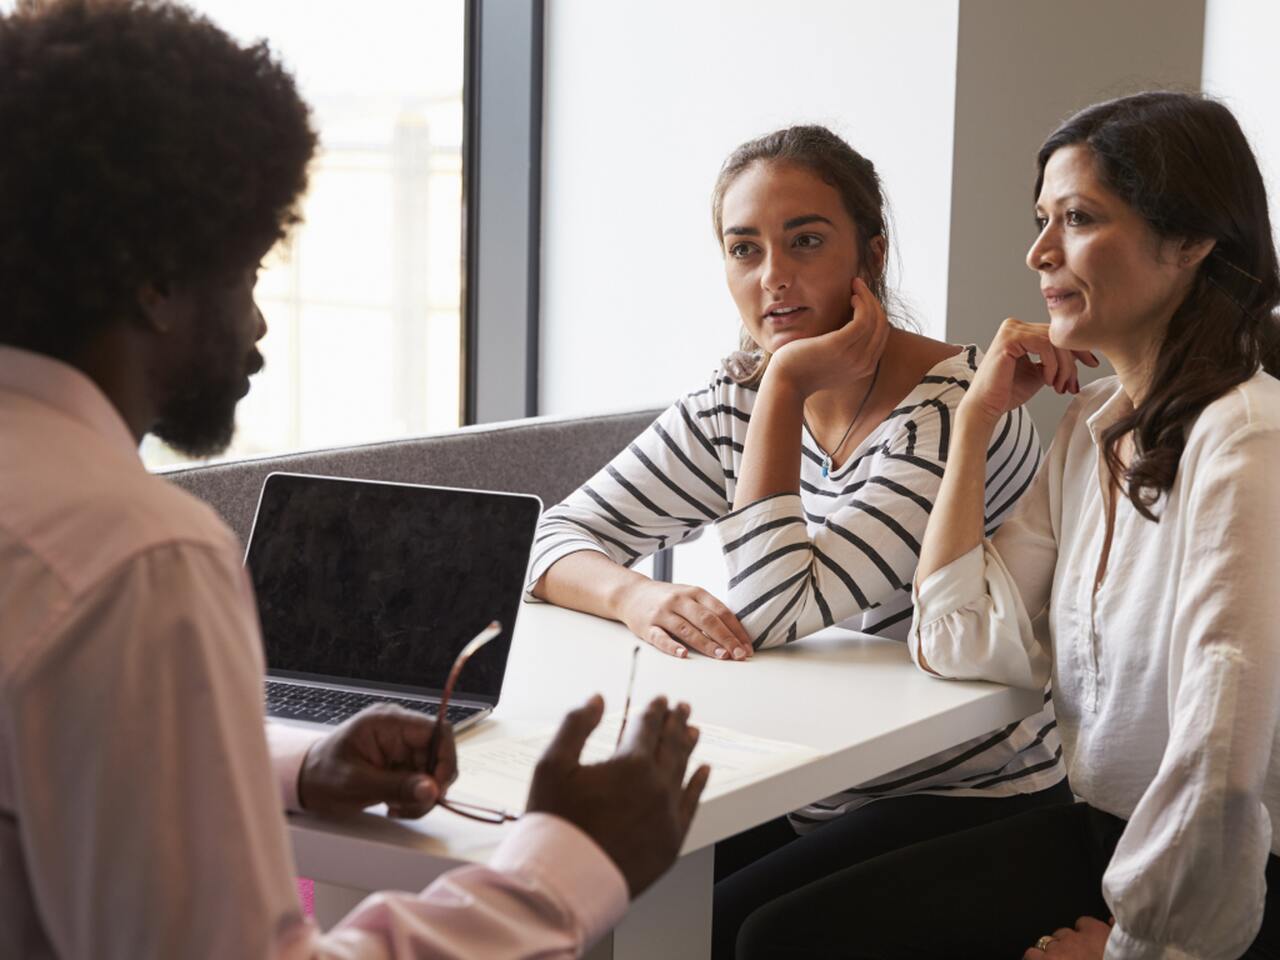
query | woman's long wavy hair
(818,150)
(1183,163)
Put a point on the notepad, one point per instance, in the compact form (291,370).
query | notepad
(497,771)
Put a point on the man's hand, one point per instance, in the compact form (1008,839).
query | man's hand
(635,805)
(378,756)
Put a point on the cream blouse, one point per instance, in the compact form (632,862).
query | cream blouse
(1166,678)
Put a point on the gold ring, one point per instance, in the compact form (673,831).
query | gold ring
(1043,943)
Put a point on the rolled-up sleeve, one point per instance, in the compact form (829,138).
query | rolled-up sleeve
(969,623)
(668,482)
(789,578)
(791,573)
(982,615)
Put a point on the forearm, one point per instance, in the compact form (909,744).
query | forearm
(549,891)
(675,618)
(956,521)
(590,582)
(771,453)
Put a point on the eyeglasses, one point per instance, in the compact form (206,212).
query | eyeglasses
(469,810)
(473,811)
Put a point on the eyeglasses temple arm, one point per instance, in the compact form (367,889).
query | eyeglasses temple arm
(479,640)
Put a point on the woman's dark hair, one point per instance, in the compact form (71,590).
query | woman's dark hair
(1183,163)
(818,150)
(141,145)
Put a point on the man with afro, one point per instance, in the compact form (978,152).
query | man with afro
(147,164)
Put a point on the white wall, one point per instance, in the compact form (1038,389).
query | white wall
(642,104)
(950,99)
(1021,69)
(1241,67)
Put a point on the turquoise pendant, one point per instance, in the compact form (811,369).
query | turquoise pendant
(826,466)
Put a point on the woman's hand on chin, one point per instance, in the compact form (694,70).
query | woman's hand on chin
(1008,376)
(836,358)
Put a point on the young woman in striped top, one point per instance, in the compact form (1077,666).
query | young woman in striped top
(816,454)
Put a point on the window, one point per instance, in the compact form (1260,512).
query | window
(363,301)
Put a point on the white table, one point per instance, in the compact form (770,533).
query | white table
(857,700)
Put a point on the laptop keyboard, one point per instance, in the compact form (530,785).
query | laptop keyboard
(291,701)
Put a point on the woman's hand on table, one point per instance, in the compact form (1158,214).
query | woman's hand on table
(1088,941)
(832,360)
(1008,376)
(676,617)
(636,805)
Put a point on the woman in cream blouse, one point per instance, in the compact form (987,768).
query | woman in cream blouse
(1140,573)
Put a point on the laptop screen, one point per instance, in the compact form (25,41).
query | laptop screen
(382,584)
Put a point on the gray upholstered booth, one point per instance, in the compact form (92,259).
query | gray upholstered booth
(546,456)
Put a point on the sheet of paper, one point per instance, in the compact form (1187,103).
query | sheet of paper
(497,772)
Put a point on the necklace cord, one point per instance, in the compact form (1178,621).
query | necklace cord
(835,452)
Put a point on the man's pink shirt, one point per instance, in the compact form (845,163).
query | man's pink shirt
(140,814)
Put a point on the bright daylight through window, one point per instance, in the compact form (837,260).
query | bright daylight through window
(363,302)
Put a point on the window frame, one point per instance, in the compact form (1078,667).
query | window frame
(502,209)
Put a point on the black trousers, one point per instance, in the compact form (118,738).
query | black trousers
(769,861)
(986,893)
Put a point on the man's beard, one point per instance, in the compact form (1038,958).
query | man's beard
(199,416)
(199,419)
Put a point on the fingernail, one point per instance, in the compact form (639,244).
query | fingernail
(738,654)
(719,653)
(425,791)
(681,652)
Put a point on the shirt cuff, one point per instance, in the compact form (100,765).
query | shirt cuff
(777,506)
(571,864)
(289,746)
(554,556)
(950,588)
(1122,946)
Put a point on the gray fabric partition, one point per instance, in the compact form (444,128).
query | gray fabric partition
(546,456)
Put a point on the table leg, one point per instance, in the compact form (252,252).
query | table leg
(671,920)
(332,902)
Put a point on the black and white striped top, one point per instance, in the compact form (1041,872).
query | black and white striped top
(842,551)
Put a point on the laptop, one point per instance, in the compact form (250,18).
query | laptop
(367,591)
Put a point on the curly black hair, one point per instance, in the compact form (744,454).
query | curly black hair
(141,145)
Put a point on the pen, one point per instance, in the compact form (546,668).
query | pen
(631,685)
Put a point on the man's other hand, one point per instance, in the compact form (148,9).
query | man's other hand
(378,756)
(636,805)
